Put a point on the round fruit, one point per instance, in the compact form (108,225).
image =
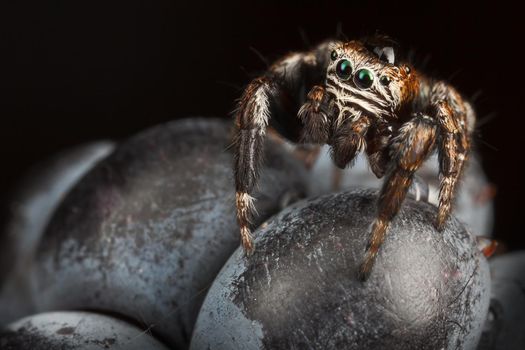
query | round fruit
(75,331)
(146,231)
(299,290)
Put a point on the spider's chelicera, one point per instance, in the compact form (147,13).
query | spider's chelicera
(355,97)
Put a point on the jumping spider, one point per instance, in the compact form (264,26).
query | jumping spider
(355,96)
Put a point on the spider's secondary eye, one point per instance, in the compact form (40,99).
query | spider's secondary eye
(384,80)
(343,69)
(364,78)
(333,55)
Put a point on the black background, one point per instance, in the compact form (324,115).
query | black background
(75,71)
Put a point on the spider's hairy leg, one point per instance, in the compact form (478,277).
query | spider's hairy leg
(315,114)
(251,120)
(414,142)
(265,98)
(454,144)
(348,140)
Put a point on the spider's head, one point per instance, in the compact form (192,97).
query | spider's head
(364,76)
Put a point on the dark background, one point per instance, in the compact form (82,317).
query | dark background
(75,71)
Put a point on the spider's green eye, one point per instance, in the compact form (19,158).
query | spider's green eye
(364,78)
(333,55)
(384,80)
(343,69)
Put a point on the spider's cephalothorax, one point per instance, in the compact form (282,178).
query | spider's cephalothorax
(355,97)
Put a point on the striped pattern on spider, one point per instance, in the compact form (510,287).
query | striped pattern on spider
(356,97)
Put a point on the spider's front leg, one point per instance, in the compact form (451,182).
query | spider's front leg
(252,117)
(454,145)
(414,142)
(455,118)
(281,87)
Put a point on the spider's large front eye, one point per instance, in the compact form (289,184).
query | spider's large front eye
(343,69)
(364,78)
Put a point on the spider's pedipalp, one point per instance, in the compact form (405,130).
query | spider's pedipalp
(378,139)
(349,140)
(315,116)
(413,144)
